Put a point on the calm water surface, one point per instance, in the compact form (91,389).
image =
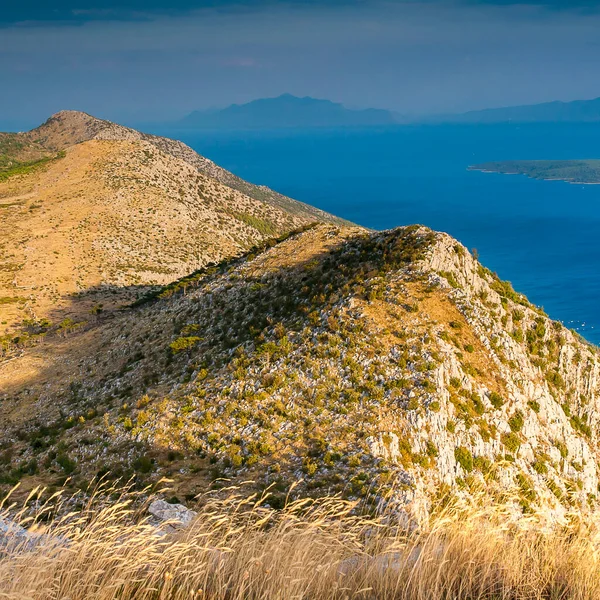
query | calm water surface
(543,236)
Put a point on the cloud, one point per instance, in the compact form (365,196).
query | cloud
(415,57)
(77,12)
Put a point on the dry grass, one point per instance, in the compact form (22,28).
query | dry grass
(238,549)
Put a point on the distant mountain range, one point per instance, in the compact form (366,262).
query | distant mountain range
(286,111)
(578,111)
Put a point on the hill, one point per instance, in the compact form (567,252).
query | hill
(94,214)
(578,111)
(572,171)
(375,365)
(286,111)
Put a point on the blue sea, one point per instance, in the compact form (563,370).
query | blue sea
(543,236)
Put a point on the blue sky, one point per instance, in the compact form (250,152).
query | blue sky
(152,60)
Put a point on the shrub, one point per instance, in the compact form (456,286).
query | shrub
(482,464)
(143,464)
(464,458)
(580,425)
(511,441)
(516,422)
(562,448)
(67,465)
(184,343)
(496,400)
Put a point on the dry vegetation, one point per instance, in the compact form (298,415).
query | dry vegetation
(239,548)
(93,214)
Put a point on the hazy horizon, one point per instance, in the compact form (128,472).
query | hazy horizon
(154,61)
(11,126)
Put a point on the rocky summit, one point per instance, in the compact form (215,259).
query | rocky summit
(293,350)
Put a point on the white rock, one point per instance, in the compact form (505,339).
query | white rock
(177,515)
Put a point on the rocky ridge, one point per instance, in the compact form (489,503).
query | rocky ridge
(68,127)
(386,365)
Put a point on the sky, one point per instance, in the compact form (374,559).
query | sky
(157,60)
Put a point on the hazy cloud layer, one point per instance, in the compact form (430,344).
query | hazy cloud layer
(147,60)
(78,11)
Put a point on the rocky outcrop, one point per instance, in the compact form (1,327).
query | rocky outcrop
(526,419)
(173,515)
(14,538)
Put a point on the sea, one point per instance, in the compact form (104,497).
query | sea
(543,236)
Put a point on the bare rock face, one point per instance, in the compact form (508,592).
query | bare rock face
(175,515)
(523,415)
(12,535)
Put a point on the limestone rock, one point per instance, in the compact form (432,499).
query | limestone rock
(176,515)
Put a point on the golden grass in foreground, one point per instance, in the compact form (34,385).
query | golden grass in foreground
(313,550)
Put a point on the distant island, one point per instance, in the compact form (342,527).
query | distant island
(286,111)
(578,111)
(572,171)
(585,171)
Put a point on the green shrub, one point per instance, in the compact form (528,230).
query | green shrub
(580,425)
(555,379)
(516,422)
(184,343)
(67,465)
(562,448)
(450,279)
(464,458)
(143,464)
(511,441)
(483,464)
(496,400)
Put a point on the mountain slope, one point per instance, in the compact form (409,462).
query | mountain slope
(374,364)
(16,152)
(93,214)
(72,127)
(283,112)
